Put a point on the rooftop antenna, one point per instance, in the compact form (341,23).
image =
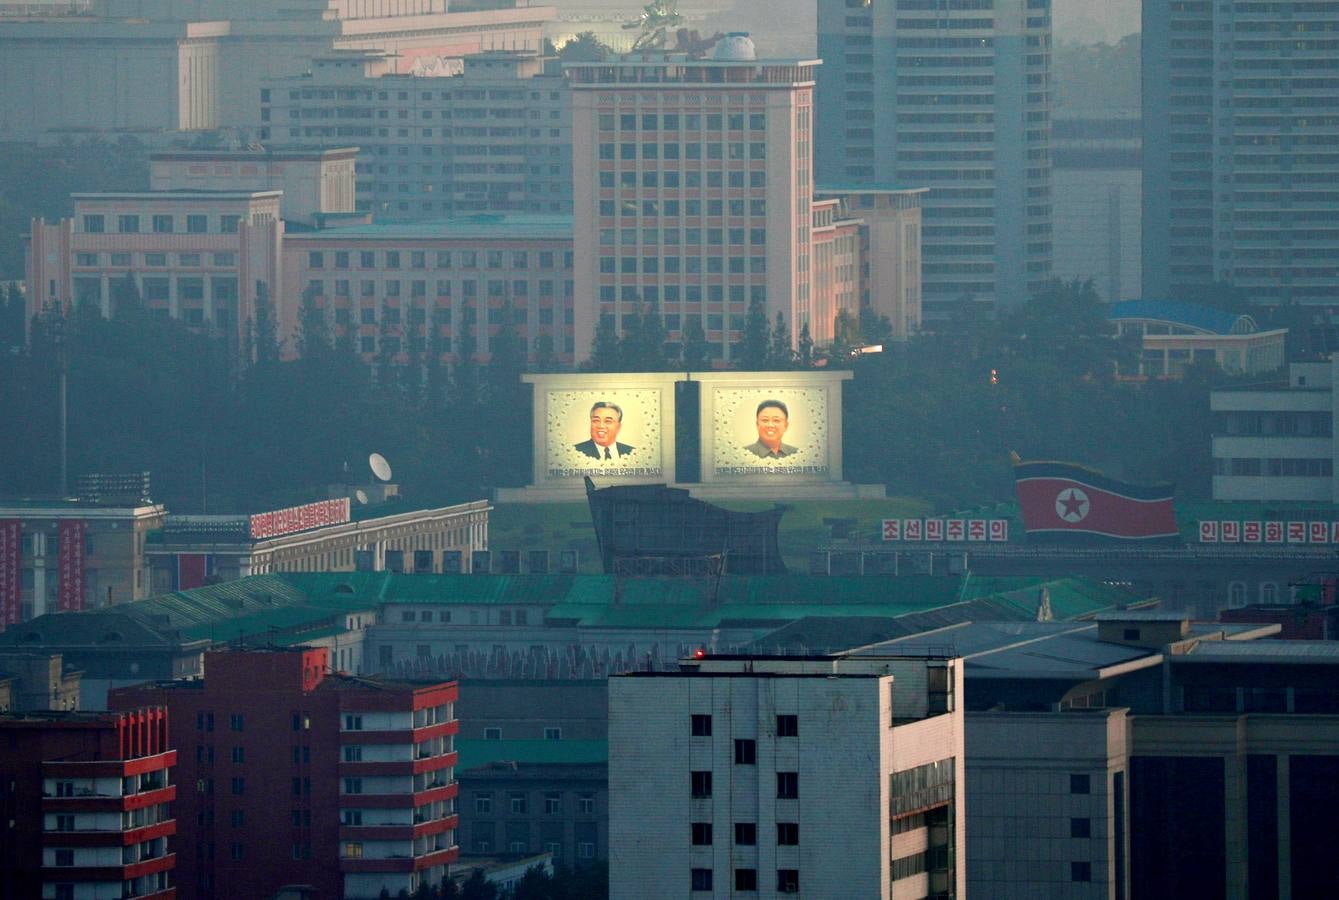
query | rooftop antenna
(380,467)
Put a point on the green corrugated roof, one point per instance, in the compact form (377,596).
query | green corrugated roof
(480,753)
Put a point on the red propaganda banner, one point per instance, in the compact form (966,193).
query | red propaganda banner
(976,530)
(1231,532)
(1208,532)
(1297,532)
(1071,503)
(1250,532)
(1273,532)
(892,529)
(999,529)
(1334,532)
(70,559)
(11,563)
(934,529)
(1319,532)
(912,529)
(299,518)
(955,529)
(191,570)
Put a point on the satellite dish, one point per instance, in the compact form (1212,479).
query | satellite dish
(380,467)
(360,495)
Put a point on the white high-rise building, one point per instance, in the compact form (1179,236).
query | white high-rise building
(816,776)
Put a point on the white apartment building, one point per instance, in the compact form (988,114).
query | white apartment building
(495,137)
(693,182)
(815,776)
(1276,443)
(151,68)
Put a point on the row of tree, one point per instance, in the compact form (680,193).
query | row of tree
(934,417)
(581,883)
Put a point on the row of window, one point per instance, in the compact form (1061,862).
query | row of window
(786,726)
(746,834)
(691,293)
(154,260)
(204,721)
(787,783)
(1275,467)
(733,150)
(756,121)
(692,179)
(673,265)
(787,880)
(443,288)
(444,259)
(165,223)
(518,803)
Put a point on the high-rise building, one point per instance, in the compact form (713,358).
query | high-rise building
(830,776)
(85,805)
(692,180)
(300,775)
(1241,146)
(954,97)
(496,137)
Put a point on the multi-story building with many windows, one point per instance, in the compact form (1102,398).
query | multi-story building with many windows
(305,776)
(954,97)
(86,807)
(496,137)
(1241,146)
(836,776)
(692,180)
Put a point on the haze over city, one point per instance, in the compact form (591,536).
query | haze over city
(506,450)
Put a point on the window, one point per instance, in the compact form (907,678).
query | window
(94,224)
(127,224)
(586,804)
(787,834)
(787,785)
(553,734)
(1079,784)
(353,849)
(701,726)
(1080,828)
(701,834)
(553,804)
(519,806)
(701,880)
(236,722)
(64,857)
(238,850)
(348,816)
(353,753)
(353,785)
(746,834)
(701,784)
(492,734)
(239,754)
(197,224)
(746,752)
(787,726)
(237,818)
(787,881)
(746,879)
(229,224)
(483,802)
(162,224)
(1080,871)
(353,723)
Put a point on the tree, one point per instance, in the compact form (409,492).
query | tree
(477,887)
(693,351)
(585,47)
(264,328)
(780,355)
(387,350)
(643,344)
(315,341)
(606,353)
(753,351)
(805,356)
(546,356)
(535,884)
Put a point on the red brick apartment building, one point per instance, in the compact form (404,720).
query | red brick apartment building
(295,775)
(85,805)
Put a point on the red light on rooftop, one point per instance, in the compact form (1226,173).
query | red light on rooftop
(699,653)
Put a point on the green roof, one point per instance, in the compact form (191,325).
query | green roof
(515,226)
(474,753)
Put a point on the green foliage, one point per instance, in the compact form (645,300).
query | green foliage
(1098,78)
(693,356)
(606,351)
(757,343)
(476,887)
(585,47)
(780,354)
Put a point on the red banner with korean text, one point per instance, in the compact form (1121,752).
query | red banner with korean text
(11,568)
(70,561)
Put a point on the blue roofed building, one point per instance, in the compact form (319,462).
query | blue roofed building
(1176,335)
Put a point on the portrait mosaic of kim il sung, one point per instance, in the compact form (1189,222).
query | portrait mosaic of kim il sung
(606,420)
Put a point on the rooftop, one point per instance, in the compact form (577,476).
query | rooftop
(1201,318)
(518,226)
(474,753)
(1275,652)
(884,188)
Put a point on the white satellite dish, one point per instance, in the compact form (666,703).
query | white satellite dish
(361,496)
(380,467)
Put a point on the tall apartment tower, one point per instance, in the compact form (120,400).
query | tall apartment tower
(692,185)
(1241,146)
(953,95)
(301,775)
(814,776)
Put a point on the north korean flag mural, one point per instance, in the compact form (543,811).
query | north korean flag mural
(1064,502)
